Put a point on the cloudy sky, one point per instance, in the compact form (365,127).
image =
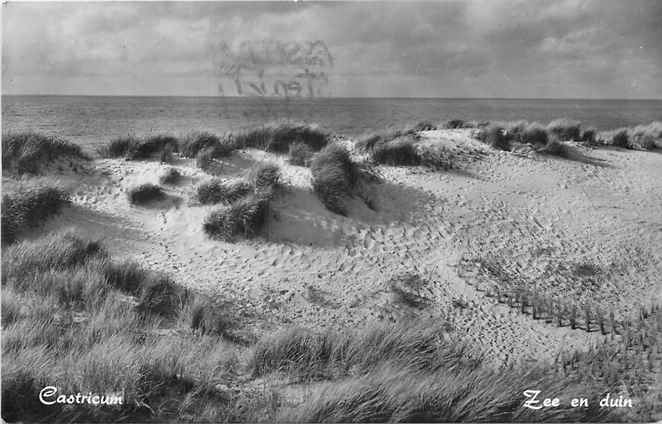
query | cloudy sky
(489,48)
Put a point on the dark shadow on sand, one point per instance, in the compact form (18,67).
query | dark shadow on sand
(574,154)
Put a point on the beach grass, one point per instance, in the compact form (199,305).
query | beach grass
(145,193)
(28,207)
(32,152)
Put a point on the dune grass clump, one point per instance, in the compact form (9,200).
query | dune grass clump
(150,145)
(243,218)
(565,129)
(222,191)
(278,138)
(555,147)
(29,208)
(170,176)
(454,124)
(619,138)
(30,152)
(424,126)
(117,147)
(264,177)
(495,136)
(589,135)
(335,177)
(646,137)
(367,144)
(132,147)
(300,154)
(160,295)
(399,152)
(215,147)
(204,159)
(145,193)
(535,134)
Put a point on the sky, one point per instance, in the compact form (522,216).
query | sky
(488,48)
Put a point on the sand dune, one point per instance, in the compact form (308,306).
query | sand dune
(543,218)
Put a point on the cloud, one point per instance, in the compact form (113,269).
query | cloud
(503,48)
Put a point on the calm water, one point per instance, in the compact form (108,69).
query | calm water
(93,120)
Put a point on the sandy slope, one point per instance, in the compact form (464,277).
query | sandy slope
(540,217)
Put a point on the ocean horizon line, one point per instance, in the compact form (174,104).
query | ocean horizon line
(335,97)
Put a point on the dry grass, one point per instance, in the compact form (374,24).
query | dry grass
(222,191)
(337,177)
(32,152)
(76,330)
(399,152)
(145,193)
(215,147)
(28,208)
(132,147)
(535,134)
(243,218)
(278,138)
(495,136)
(565,129)
(265,177)
(171,176)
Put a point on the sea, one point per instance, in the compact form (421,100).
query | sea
(93,120)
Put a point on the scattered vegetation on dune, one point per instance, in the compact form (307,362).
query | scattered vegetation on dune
(300,154)
(336,177)
(369,142)
(204,160)
(640,137)
(278,138)
(117,147)
(225,191)
(243,218)
(151,145)
(136,148)
(647,137)
(555,147)
(495,136)
(248,201)
(550,139)
(589,135)
(454,124)
(31,152)
(264,177)
(195,142)
(565,129)
(145,193)
(398,152)
(28,208)
(535,134)
(170,176)
(424,126)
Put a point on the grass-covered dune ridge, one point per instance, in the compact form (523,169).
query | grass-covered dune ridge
(505,135)
(31,152)
(28,207)
(336,177)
